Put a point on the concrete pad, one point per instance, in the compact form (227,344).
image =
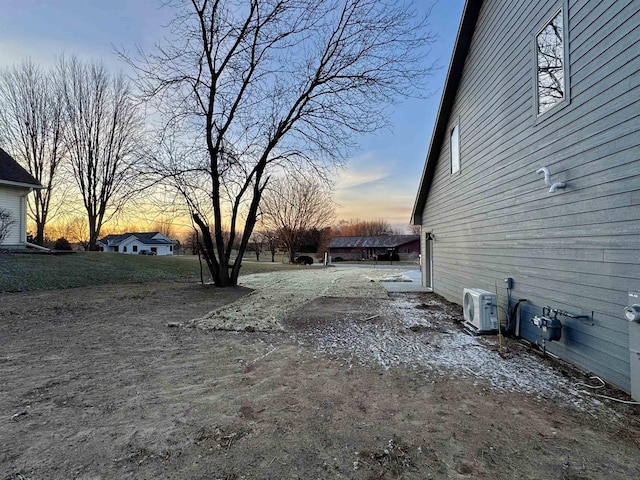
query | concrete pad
(415,285)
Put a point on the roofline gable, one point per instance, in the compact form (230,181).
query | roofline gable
(30,186)
(160,234)
(13,174)
(454,75)
(144,238)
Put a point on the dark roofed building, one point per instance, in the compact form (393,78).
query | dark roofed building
(11,173)
(358,248)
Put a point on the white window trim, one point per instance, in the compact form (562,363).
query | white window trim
(564,8)
(454,167)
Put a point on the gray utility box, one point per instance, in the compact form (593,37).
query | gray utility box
(634,348)
(550,328)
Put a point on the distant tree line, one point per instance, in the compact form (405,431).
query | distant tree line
(301,238)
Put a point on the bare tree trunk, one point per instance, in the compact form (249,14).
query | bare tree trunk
(93,234)
(199,248)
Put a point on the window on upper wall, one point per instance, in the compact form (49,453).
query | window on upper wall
(551,64)
(454,147)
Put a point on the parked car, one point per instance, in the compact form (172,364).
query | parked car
(147,252)
(304,260)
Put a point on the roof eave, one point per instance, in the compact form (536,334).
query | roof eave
(31,186)
(454,74)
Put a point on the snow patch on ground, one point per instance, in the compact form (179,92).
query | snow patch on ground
(396,278)
(278,294)
(411,331)
(427,339)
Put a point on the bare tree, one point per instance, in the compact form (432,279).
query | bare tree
(189,242)
(268,237)
(103,133)
(266,83)
(165,226)
(76,231)
(550,64)
(293,207)
(32,130)
(272,241)
(362,228)
(256,243)
(415,229)
(6,222)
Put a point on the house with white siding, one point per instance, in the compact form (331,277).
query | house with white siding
(15,185)
(137,243)
(533,175)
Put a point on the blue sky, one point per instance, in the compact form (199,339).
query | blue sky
(380,181)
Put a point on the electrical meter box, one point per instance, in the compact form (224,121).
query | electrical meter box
(550,328)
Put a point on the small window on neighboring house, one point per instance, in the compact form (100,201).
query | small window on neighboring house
(454,145)
(115,249)
(550,64)
(124,249)
(171,248)
(135,248)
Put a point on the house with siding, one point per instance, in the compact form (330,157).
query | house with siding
(533,173)
(15,185)
(134,243)
(406,247)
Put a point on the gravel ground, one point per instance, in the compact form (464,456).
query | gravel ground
(278,294)
(406,331)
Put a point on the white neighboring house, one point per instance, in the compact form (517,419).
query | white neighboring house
(135,243)
(15,184)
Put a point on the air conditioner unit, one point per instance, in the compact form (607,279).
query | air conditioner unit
(480,311)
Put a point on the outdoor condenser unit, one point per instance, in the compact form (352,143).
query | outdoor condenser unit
(480,310)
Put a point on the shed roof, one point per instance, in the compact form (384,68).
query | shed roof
(467,26)
(11,173)
(380,241)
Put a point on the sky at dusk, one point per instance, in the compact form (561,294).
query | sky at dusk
(381,179)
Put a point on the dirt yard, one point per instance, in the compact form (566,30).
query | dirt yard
(314,374)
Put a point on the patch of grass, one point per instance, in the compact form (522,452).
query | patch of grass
(31,272)
(251,267)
